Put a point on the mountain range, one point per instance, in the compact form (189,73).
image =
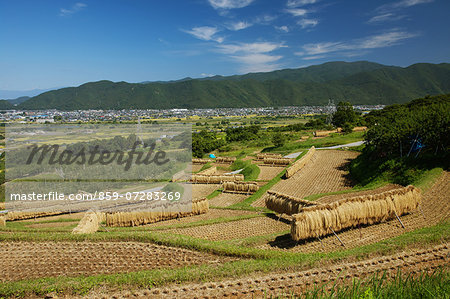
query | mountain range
(359,82)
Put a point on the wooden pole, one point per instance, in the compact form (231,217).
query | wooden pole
(421,211)
(398,218)
(337,237)
(280,217)
(320,241)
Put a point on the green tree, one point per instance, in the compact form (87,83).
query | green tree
(278,139)
(344,114)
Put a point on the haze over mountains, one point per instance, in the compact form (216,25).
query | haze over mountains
(358,82)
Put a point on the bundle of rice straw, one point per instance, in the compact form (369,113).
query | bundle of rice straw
(167,212)
(240,187)
(285,204)
(89,224)
(215,179)
(277,161)
(261,156)
(300,163)
(347,213)
(225,160)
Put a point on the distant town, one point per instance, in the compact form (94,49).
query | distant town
(50,116)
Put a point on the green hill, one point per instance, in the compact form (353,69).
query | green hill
(357,82)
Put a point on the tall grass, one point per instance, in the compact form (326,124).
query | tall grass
(425,285)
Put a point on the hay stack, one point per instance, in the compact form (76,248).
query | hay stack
(276,161)
(215,179)
(347,213)
(208,171)
(285,204)
(240,187)
(2,206)
(200,161)
(359,129)
(89,224)
(167,212)
(261,156)
(225,160)
(11,216)
(300,163)
(2,220)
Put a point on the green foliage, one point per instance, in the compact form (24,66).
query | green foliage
(397,129)
(344,115)
(278,139)
(358,82)
(347,128)
(391,137)
(242,133)
(205,142)
(249,170)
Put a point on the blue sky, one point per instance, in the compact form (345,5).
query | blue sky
(57,43)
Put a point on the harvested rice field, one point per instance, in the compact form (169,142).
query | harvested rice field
(268,172)
(236,229)
(288,284)
(203,190)
(435,207)
(211,214)
(226,199)
(26,260)
(326,172)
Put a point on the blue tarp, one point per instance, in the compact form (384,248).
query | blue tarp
(212,156)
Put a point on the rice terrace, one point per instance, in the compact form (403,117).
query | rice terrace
(225,149)
(302,217)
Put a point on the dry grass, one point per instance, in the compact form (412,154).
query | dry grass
(261,156)
(276,161)
(89,224)
(215,179)
(225,160)
(285,204)
(127,219)
(240,187)
(200,161)
(2,220)
(320,220)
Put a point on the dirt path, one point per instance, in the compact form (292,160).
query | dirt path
(411,261)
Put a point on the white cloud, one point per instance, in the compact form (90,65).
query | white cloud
(305,23)
(258,47)
(229,4)
(206,75)
(385,17)
(239,25)
(74,9)
(297,12)
(253,57)
(315,57)
(402,4)
(355,47)
(296,3)
(205,33)
(282,28)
